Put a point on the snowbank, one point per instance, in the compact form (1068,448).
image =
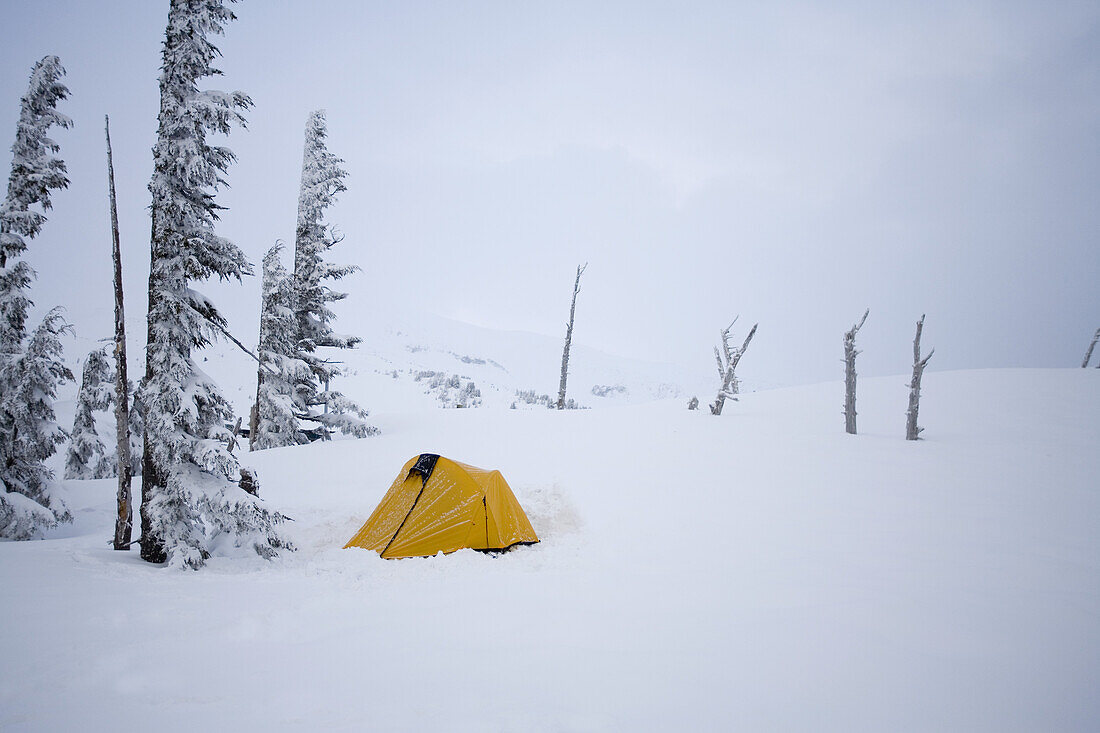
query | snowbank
(757,571)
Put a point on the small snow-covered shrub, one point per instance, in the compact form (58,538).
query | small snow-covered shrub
(530,397)
(534,399)
(450,389)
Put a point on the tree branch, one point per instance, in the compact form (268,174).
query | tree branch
(241,346)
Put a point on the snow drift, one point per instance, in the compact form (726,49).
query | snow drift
(757,571)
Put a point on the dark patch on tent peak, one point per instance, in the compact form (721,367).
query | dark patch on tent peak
(425,464)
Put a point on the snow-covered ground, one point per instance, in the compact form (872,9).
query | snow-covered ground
(756,571)
(414,361)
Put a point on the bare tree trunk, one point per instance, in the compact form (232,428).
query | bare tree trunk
(325,432)
(569,337)
(912,431)
(152,481)
(850,355)
(1088,354)
(254,413)
(727,368)
(723,370)
(124,521)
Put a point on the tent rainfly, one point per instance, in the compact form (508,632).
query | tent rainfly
(439,505)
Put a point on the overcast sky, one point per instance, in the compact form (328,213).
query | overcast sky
(793,163)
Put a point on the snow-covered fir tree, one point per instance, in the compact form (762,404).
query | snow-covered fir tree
(136,434)
(25,503)
(322,179)
(190,497)
(137,431)
(279,370)
(87,458)
(28,505)
(35,169)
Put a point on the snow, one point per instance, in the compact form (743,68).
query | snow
(761,570)
(400,343)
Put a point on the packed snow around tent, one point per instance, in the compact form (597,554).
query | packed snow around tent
(758,571)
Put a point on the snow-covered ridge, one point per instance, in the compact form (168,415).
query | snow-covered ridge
(411,361)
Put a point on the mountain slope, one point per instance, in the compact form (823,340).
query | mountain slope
(415,361)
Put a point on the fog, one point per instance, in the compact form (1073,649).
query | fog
(791,163)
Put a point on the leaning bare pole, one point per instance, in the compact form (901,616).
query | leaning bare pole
(1088,354)
(569,337)
(727,364)
(124,522)
(850,355)
(912,432)
(254,413)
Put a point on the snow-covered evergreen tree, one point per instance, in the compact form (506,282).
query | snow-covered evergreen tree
(35,167)
(190,498)
(26,505)
(279,371)
(322,179)
(35,171)
(137,431)
(136,421)
(87,458)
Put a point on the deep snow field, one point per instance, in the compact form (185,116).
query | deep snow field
(755,571)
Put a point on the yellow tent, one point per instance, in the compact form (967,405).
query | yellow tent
(439,505)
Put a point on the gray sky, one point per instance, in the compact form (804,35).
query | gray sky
(794,163)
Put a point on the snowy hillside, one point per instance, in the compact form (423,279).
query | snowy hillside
(420,361)
(757,571)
